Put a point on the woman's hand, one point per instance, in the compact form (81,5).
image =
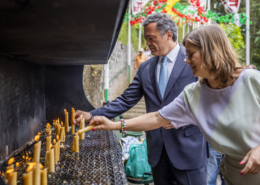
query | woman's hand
(104,123)
(252,161)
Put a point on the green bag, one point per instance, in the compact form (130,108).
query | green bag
(137,163)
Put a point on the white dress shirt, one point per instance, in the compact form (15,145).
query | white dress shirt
(172,56)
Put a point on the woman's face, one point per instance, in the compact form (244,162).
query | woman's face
(194,60)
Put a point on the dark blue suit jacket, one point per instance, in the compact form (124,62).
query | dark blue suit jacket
(186,146)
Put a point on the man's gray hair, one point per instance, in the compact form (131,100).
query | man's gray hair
(163,24)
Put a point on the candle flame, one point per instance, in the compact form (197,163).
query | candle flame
(3,174)
(72,108)
(76,133)
(17,164)
(23,157)
(39,133)
(30,167)
(48,125)
(36,138)
(41,166)
(81,116)
(58,120)
(57,137)
(10,161)
(62,146)
(50,132)
(10,171)
(27,158)
(61,123)
(50,146)
(65,110)
(54,141)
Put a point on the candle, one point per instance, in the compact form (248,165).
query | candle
(76,143)
(12,178)
(27,178)
(66,121)
(47,159)
(44,176)
(9,171)
(51,160)
(37,151)
(58,129)
(36,175)
(48,142)
(72,121)
(80,131)
(82,125)
(58,146)
(62,134)
(55,146)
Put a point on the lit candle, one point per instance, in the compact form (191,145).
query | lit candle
(9,171)
(51,161)
(62,133)
(12,178)
(27,178)
(44,176)
(82,125)
(58,146)
(76,143)
(55,146)
(66,121)
(36,175)
(72,121)
(37,151)
(48,142)
(58,129)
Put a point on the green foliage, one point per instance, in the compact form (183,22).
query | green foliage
(123,35)
(234,35)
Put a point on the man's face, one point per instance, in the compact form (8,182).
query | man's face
(140,52)
(154,40)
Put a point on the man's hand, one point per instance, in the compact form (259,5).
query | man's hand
(251,161)
(168,126)
(86,115)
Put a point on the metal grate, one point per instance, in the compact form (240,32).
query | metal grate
(98,162)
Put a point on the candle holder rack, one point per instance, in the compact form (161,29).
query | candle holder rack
(98,161)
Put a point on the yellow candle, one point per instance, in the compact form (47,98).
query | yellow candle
(48,142)
(58,146)
(27,178)
(55,146)
(44,176)
(12,178)
(58,130)
(47,159)
(72,121)
(62,134)
(66,121)
(51,161)
(76,144)
(82,125)
(37,152)
(9,170)
(36,174)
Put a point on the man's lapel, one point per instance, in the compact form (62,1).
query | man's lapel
(176,71)
(152,71)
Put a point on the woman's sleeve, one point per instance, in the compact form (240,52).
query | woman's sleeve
(178,112)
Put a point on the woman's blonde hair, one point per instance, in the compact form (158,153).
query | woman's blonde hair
(217,53)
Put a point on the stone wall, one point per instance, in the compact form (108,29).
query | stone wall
(93,76)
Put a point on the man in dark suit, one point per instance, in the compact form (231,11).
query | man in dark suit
(175,155)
